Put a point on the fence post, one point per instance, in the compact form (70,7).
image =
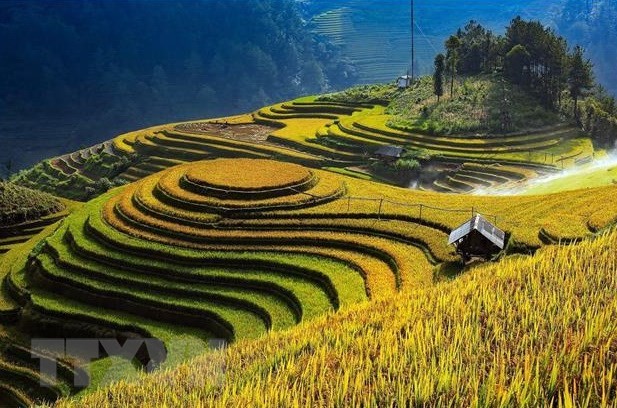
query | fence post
(473,211)
(421,211)
(380,205)
(348,203)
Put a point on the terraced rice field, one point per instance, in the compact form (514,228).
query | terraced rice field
(176,253)
(321,133)
(19,373)
(25,212)
(380,50)
(283,131)
(527,332)
(71,174)
(13,235)
(236,248)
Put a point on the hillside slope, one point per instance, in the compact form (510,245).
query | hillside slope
(376,36)
(237,248)
(527,332)
(24,213)
(461,137)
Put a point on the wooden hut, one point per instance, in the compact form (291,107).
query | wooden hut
(389,153)
(477,238)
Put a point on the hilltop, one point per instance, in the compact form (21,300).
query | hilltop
(19,204)
(450,143)
(24,213)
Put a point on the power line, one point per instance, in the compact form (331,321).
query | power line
(413,22)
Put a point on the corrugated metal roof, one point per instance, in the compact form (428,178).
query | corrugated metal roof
(391,151)
(460,232)
(483,226)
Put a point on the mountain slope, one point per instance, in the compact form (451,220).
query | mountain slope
(376,36)
(527,332)
(107,67)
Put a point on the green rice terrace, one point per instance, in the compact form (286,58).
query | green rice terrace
(235,248)
(233,228)
(24,213)
(464,149)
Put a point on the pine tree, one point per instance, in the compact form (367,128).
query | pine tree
(452,45)
(580,76)
(440,66)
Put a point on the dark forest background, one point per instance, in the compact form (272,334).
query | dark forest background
(593,25)
(76,72)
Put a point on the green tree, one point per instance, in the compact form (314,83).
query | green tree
(516,63)
(580,76)
(452,45)
(440,67)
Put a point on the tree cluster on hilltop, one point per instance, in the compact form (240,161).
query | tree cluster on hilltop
(529,55)
(540,62)
(112,66)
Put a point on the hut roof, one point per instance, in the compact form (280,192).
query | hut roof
(390,151)
(483,226)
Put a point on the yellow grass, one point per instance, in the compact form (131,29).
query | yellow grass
(247,174)
(413,265)
(328,185)
(523,216)
(529,332)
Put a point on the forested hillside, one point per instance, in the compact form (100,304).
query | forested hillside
(77,72)
(593,24)
(376,35)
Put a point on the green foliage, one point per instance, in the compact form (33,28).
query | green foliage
(403,166)
(452,59)
(406,165)
(476,107)
(536,58)
(379,93)
(479,49)
(580,76)
(440,67)
(19,204)
(599,118)
(517,59)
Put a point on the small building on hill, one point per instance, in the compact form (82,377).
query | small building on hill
(389,153)
(404,81)
(477,238)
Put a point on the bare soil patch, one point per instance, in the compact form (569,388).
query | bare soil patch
(246,132)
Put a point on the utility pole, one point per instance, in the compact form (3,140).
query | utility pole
(413,71)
